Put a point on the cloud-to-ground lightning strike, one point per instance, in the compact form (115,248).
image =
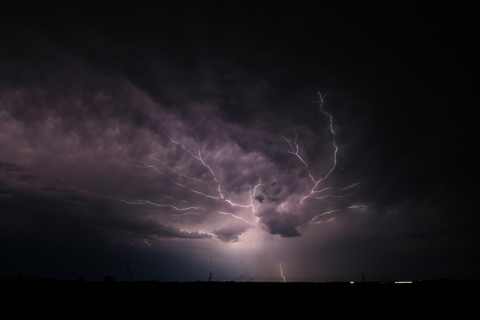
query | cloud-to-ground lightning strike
(293,147)
(281,272)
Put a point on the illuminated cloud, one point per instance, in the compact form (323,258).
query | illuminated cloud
(251,143)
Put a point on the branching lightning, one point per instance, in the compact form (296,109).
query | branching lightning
(328,195)
(220,194)
(294,149)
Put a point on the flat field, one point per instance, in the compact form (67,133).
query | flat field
(232,300)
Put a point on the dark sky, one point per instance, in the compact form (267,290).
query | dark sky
(162,135)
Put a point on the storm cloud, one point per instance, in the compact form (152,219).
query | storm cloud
(254,139)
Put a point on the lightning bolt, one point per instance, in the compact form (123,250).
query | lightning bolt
(144,166)
(295,150)
(281,272)
(293,147)
(220,194)
(237,217)
(356,184)
(363,207)
(219,183)
(329,195)
(161,205)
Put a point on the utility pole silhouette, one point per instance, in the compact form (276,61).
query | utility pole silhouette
(127,264)
(211,257)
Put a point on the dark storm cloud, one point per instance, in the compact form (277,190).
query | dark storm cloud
(48,93)
(232,231)
(96,118)
(23,189)
(282,223)
(23,193)
(83,111)
(132,111)
(141,228)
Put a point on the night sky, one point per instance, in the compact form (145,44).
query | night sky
(157,136)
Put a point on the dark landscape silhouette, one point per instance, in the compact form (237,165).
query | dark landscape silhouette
(235,300)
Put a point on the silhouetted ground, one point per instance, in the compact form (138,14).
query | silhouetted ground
(230,300)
